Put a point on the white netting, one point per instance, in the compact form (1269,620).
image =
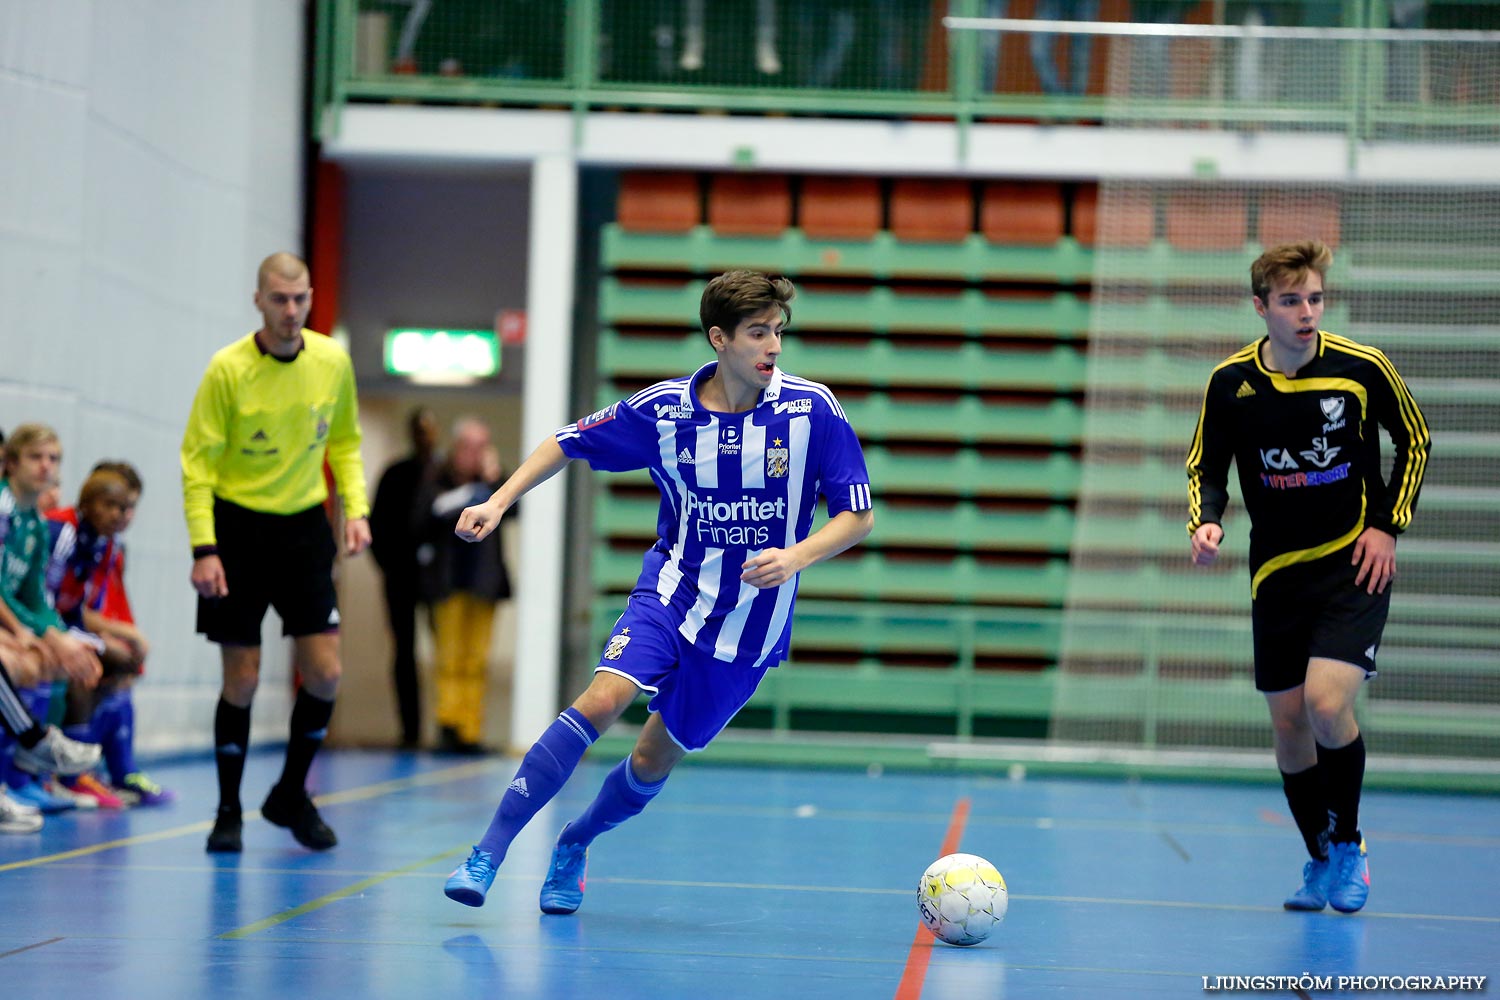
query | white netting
(1157,653)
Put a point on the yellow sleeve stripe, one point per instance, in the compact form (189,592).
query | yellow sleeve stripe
(1412,420)
(1195,450)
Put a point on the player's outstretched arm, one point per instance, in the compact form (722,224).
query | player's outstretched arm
(478,521)
(773,567)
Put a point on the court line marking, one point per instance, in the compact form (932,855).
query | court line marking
(1258,829)
(410,871)
(363,792)
(28,947)
(240,933)
(920,954)
(1172,842)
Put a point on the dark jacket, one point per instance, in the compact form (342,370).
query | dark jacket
(446,563)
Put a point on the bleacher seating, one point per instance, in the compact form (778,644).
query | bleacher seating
(953,319)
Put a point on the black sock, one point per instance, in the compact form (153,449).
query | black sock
(310,717)
(1344,771)
(1307,794)
(231,742)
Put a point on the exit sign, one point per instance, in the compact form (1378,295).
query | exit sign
(442,355)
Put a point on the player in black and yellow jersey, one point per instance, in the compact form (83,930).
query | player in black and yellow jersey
(271,406)
(1297,412)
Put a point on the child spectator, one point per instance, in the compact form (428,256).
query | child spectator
(87,580)
(32,456)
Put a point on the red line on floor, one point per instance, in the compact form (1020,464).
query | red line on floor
(921,943)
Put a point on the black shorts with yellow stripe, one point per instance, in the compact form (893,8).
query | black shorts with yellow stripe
(1315,610)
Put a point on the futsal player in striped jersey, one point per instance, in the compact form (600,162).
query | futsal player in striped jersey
(1297,412)
(741,452)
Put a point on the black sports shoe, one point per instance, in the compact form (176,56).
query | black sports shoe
(224,838)
(296,812)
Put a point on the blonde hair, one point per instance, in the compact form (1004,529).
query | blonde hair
(283,265)
(1290,263)
(28,436)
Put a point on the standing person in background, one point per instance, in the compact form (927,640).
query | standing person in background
(463,583)
(1297,412)
(397,525)
(271,407)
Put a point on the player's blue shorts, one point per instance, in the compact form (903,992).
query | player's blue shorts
(695,693)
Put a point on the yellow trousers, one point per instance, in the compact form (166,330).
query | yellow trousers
(462,625)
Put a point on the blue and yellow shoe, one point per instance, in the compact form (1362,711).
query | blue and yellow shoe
(471,880)
(563,890)
(1349,882)
(1313,895)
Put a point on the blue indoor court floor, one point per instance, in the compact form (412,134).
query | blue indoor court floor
(738,882)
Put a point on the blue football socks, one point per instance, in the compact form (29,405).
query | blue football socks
(543,771)
(622,796)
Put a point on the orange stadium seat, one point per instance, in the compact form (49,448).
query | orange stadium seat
(1131,221)
(749,204)
(1207,218)
(1022,213)
(1288,215)
(932,210)
(839,208)
(653,201)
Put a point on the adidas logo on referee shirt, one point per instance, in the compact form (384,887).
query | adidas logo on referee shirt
(1244,391)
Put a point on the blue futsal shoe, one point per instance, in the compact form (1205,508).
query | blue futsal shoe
(1349,884)
(1313,895)
(471,880)
(563,890)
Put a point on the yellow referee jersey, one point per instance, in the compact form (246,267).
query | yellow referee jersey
(260,428)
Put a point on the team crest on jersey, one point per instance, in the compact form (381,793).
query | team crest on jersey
(598,417)
(777,460)
(617,644)
(1333,409)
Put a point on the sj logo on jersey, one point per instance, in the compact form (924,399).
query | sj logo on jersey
(777,460)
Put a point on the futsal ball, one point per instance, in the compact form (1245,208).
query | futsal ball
(961,898)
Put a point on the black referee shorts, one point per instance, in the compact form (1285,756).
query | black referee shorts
(1314,610)
(283,561)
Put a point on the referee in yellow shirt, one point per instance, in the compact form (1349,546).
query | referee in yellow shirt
(271,406)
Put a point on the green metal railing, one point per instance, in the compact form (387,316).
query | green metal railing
(575,54)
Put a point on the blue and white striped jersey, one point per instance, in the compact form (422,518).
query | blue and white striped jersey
(731,484)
